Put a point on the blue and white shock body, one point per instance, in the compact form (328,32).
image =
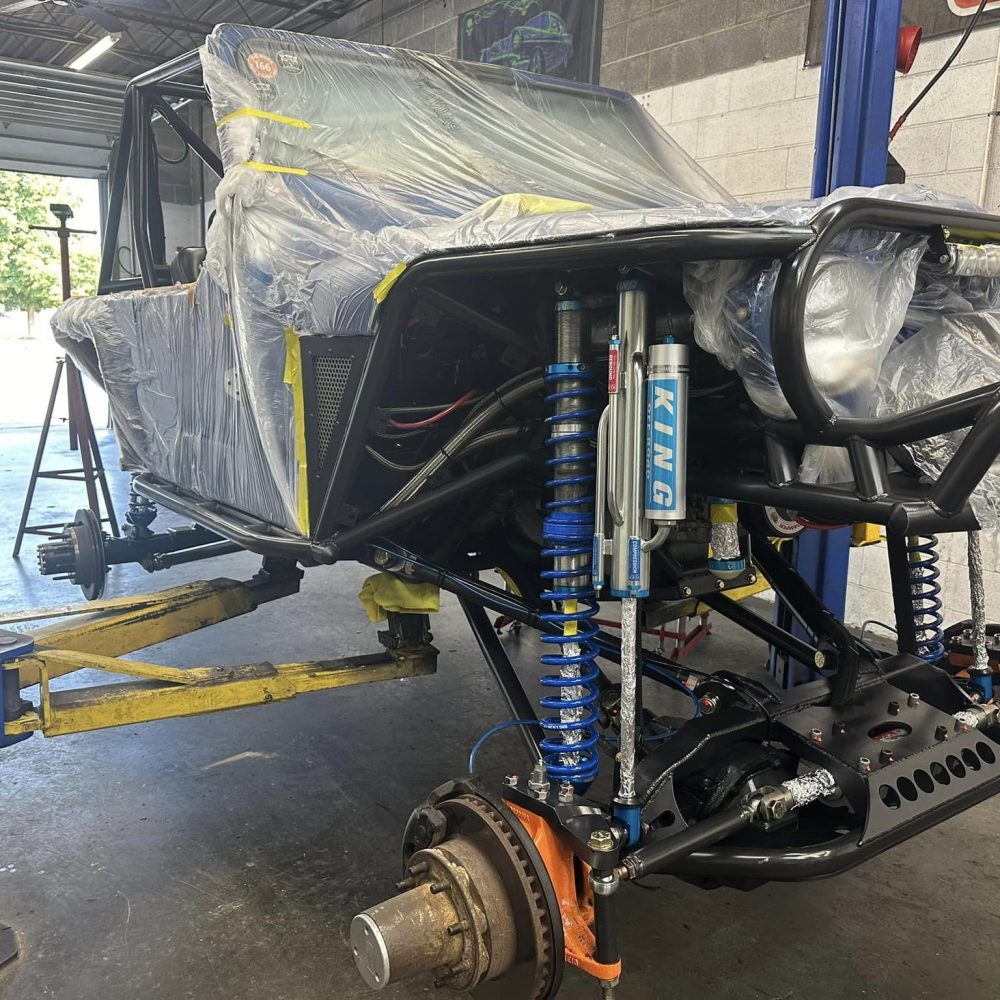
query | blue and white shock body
(569,746)
(641,473)
(666,439)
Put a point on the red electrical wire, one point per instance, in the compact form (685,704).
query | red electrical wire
(427,421)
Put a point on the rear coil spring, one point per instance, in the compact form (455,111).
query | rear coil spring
(571,737)
(928,622)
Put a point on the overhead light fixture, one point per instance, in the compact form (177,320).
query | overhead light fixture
(95,51)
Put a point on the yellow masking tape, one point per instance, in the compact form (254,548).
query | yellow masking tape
(270,168)
(293,379)
(724,513)
(381,290)
(260,113)
(511,586)
(570,608)
(533,204)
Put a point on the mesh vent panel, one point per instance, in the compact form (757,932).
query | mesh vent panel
(330,377)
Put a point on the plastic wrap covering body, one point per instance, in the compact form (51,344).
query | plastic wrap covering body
(343,163)
(168,359)
(954,351)
(861,296)
(856,305)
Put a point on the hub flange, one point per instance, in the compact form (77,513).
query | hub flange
(476,908)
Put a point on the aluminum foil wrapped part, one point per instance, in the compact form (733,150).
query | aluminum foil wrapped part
(810,787)
(968,260)
(631,665)
(725,541)
(951,353)
(977,595)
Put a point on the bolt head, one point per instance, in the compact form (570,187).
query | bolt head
(820,659)
(601,840)
(816,735)
(686,591)
(708,703)
(510,780)
(941,733)
(752,578)
(565,792)
(840,728)
(894,707)
(720,584)
(885,756)
(913,699)
(864,765)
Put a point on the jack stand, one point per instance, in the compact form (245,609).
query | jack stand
(81,428)
(91,471)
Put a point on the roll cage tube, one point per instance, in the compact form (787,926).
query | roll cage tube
(133,170)
(978,409)
(791,294)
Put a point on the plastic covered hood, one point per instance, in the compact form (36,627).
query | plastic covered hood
(346,162)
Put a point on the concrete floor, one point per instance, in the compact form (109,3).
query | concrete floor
(224,856)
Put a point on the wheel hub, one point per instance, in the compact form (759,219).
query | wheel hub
(476,907)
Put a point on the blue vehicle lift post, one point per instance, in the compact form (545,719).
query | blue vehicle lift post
(852,147)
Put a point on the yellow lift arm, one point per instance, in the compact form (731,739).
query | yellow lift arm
(99,633)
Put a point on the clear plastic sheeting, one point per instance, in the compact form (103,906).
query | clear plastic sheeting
(344,160)
(344,163)
(855,307)
(170,364)
(952,353)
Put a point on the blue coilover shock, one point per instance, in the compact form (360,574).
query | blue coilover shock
(569,746)
(925,588)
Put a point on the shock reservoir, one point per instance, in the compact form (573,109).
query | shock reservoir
(666,433)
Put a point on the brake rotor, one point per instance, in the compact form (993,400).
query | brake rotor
(79,553)
(477,906)
(91,569)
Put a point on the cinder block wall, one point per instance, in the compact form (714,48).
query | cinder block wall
(753,127)
(726,79)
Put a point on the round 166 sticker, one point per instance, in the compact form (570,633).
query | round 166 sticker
(261,65)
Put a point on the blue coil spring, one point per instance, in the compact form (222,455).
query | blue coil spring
(925,588)
(568,532)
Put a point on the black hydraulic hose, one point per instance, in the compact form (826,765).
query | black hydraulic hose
(660,855)
(395,517)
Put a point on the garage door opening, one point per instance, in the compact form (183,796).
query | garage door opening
(30,288)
